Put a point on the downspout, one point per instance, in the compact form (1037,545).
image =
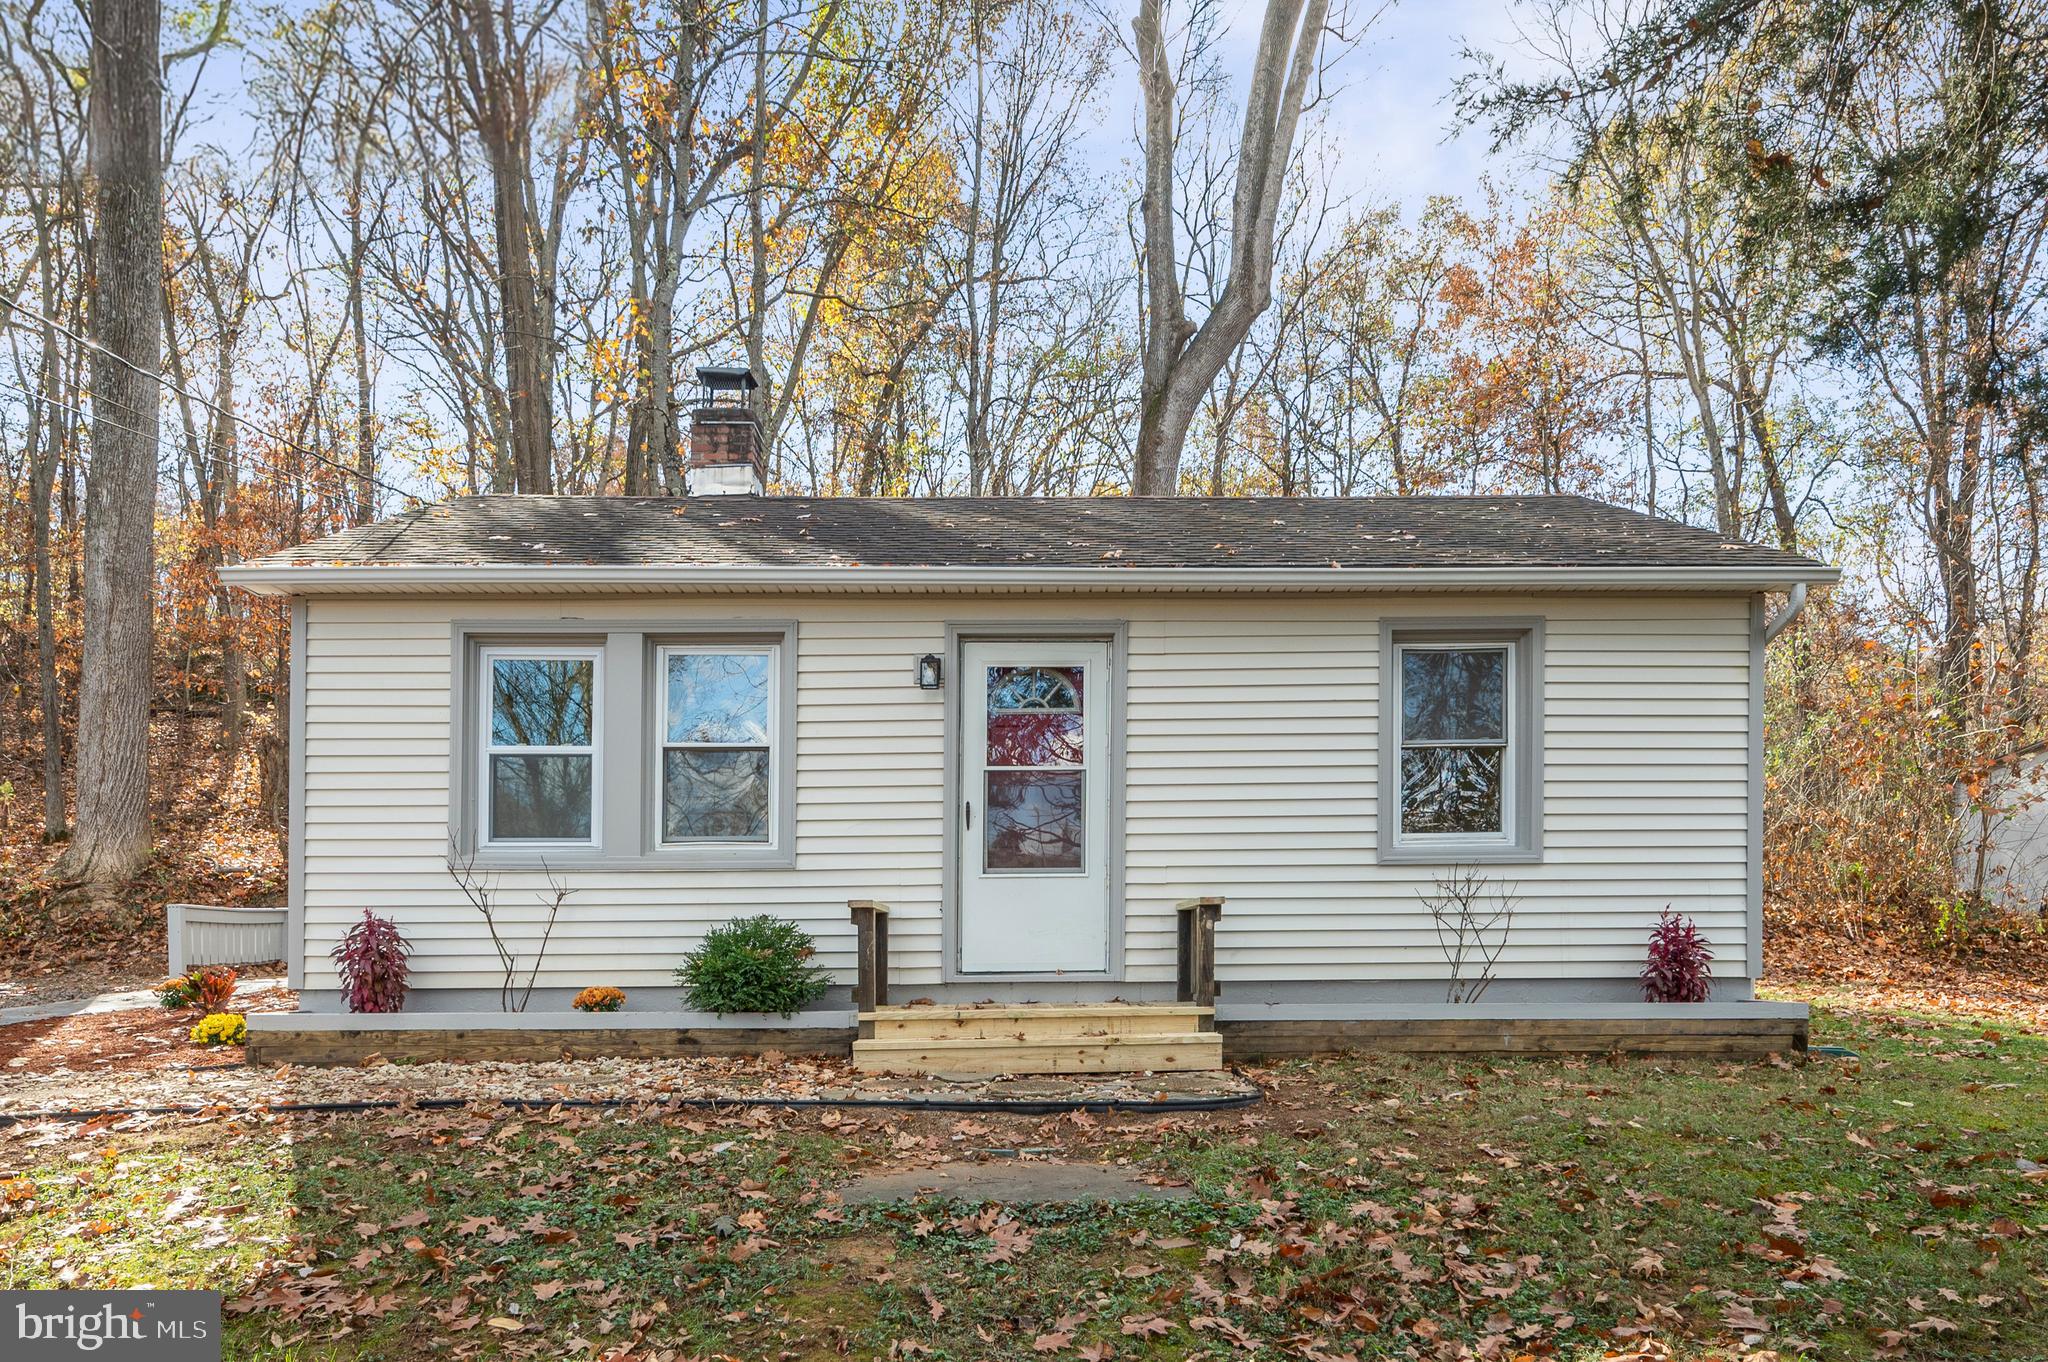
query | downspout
(1795,601)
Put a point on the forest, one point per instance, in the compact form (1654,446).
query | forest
(268,270)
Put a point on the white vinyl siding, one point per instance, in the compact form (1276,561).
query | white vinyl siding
(1251,768)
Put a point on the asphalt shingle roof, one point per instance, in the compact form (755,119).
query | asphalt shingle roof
(1105,532)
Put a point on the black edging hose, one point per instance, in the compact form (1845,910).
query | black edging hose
(1039,1107)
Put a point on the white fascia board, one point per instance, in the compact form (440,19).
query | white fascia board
(356,578)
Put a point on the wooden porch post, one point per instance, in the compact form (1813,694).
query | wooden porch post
(1198,919)
(871,954)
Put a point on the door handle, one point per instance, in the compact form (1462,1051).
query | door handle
(969,808)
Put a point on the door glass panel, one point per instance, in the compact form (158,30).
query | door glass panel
(1033,821)
(1035,818)
(1013,690)
(1043,738)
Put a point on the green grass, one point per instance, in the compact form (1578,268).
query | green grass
(1374,1207)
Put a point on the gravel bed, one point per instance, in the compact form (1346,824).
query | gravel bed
(738,1081)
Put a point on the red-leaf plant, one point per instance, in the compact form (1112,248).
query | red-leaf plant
(1676,971)
(371,962)
(212,986)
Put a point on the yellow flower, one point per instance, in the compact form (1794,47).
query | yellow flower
(222,1028)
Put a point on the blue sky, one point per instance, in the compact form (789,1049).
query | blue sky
(1387,121)
(1392,113)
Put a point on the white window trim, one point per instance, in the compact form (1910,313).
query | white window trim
(659,795)
(1511,744)
(487,657)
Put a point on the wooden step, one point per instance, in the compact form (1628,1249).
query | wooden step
(978,1057)
(1033,1022)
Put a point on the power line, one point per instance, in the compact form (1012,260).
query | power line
(222,412)
(165,443)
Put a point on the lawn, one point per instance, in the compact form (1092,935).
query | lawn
(1891,1205)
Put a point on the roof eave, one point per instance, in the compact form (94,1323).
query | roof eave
(334,579)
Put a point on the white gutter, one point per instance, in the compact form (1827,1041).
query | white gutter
(1795,601)
(340,579)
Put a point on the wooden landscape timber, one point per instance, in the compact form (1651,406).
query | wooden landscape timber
(1033,1038)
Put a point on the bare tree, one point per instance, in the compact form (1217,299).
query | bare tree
(1181,358)
(1472,920)
(44,143)
(126,327)
(480,890)
(1033,70)
(679,105)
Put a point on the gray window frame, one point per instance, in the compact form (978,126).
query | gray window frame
(628,835)
(1522,843)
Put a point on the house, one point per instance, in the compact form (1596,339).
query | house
(1080,749)
(2001,852)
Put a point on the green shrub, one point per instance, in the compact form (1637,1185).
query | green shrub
(753,964)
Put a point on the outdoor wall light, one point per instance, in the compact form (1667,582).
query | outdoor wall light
(930,676)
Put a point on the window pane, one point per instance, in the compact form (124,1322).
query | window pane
(1033,821)
(719,795)
(1045,738)
(540,797)
(1454,695)
(1451,789)
(718,697)
(541,702)
(1016,689)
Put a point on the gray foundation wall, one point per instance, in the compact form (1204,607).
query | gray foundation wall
(1555,996)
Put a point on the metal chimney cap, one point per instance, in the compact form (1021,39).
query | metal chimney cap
(726,377)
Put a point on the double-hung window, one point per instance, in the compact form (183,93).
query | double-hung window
(1461,743)
(1456,746)
(540,746)
(718,711)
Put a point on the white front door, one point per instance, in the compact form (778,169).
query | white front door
(1034,803)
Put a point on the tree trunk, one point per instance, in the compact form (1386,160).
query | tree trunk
(657,407)
(757,234)
(1181,360)
(501,92)
(529,336)
(46,447)
(359,331)
(125,317)
(1780,502)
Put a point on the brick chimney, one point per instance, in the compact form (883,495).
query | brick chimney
(726,457)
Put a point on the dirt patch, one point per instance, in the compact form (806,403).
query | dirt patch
(864,1255)
(1012,1182)
(136,1040)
